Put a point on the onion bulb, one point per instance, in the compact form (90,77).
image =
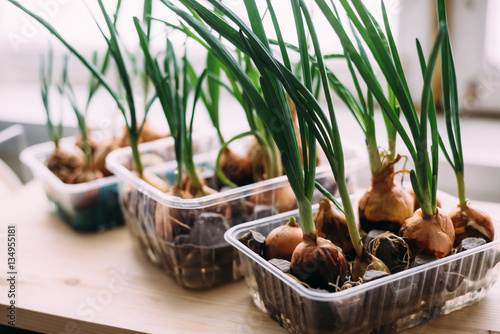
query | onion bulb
(65,161)
(331,224)
(318,262)
(236,168)
(82,175)
(148,134)
(80,142)
(366,262)
(168,220)
(282,199)
(155,181)
(386,205)
(471,223)
(202,190)
(257,157)
(281,241)
(101,152)
(429,235)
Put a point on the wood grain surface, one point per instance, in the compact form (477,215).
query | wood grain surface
(71,283)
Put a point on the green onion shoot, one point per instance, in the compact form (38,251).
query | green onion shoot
(386,205)
(87,172)
(428,231)
(65,160)
(468,221)
(262,159)
(274,110)
(129,110)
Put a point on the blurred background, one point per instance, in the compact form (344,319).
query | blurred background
(474,28)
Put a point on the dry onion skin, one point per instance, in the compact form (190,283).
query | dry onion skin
(331,224)
(386,205)
(471,223)
(429,235)
(282,241)
(319,263)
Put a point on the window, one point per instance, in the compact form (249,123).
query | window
(476,44)
(475,33)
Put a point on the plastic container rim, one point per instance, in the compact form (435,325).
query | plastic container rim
(30,157)
(231,237)
(123,173)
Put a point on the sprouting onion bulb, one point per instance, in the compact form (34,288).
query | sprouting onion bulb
(66,161)
(116,53)
(173,88)
(331,224)
(424,176)
(282,241)
(234,169)
(312,120)
(468,221)
(62,163)
(272,106)
(386,205)
(432,235)
(262,159)
(65,89)
(319,263)
(55,130)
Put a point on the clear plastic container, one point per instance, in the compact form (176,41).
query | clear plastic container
(389,304)
(90,206)
(191,246)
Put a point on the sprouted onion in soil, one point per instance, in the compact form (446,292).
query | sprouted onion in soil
(386,205)
(62,161)
(274,110)
(173,87)
(262,159)
(132,124)
(428,231)
(65,160)
(468,221)
(86,172)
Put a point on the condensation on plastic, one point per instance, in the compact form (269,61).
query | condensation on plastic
(195,252)
(390,304)
(91,206)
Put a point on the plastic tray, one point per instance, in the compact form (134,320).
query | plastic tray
(90,206)
(389,304)
(196,254)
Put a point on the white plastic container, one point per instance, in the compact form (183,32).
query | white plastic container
(386,305)
(90,206)
(194,252)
